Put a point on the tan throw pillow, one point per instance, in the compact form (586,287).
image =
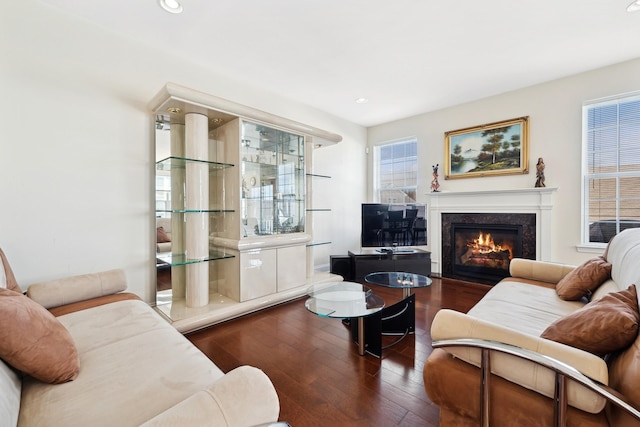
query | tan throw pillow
(35,342)
(584,279)
(602,326)
(162,235)
(11,282)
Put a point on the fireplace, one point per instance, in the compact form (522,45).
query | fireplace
(480,246)
(483,252)
(500,206)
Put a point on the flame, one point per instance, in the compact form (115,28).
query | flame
(484,244)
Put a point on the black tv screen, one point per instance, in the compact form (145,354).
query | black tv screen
(389,225)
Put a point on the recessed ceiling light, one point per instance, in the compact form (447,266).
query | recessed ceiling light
(365,100)
(171,6)
(174,110)
(634,7)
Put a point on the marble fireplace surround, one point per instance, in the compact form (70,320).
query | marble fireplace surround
(538,201)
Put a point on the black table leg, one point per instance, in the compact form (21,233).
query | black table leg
(397,319)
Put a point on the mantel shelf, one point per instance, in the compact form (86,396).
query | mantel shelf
(506,192)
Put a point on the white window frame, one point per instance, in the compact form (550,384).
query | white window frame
(376,167)
(586,245)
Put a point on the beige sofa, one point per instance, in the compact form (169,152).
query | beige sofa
(535,318)
(117,363)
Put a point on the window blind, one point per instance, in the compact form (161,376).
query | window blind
(611,178)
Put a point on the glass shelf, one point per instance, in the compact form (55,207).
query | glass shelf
(314,175)
(317,243)
(319,210)
(195,211)
(274,199)
(176,260)
(273,186)
(180,163)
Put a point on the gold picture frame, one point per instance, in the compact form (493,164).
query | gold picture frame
(500,148)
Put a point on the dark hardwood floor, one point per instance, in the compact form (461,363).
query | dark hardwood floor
(315,367)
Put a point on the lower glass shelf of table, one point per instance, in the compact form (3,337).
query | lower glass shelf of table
(346,300)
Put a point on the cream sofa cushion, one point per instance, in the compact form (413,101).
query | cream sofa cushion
(133,366)
(623,253)
(523,306)
(225,403)
(10,388)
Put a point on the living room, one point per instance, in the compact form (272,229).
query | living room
(81,173)
(78,144)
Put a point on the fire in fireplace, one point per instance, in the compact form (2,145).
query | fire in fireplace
(483,252)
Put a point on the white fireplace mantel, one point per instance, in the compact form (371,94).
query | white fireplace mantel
(538,201)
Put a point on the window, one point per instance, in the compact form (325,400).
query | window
(396,172)
(611,167)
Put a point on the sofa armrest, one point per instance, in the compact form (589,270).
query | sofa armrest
(245,396)
(543,271)
(451,325)
(68,290)
(563,372)
(163,247)
(539,270)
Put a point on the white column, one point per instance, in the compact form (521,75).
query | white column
(309,217)
(177,219)
(197,199)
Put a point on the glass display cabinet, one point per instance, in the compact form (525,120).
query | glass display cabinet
(233,195)
(273,181)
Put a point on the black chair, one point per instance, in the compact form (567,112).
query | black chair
(419,232)
(410,216)
(397,229)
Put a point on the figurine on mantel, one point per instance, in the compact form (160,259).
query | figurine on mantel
(540,173)
(434,182)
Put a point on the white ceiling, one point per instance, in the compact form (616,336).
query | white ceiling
(406,56)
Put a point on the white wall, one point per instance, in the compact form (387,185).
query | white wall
(76,152)
(555,114)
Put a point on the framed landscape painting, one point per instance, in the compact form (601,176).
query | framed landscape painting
(500,148)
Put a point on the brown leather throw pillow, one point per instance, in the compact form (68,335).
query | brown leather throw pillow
(600,327)
(33,341)
(584,279)
(162,235)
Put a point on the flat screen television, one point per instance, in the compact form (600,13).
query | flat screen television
(391,225)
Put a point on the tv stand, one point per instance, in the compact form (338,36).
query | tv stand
(407,260)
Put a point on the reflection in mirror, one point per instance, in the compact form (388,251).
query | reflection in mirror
(163,207)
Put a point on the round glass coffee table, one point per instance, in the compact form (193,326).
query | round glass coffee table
(406,281)
(345,300)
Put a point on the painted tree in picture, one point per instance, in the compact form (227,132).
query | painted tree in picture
(487,150)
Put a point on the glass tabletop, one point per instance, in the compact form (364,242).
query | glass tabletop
(398,280)
(343,300)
